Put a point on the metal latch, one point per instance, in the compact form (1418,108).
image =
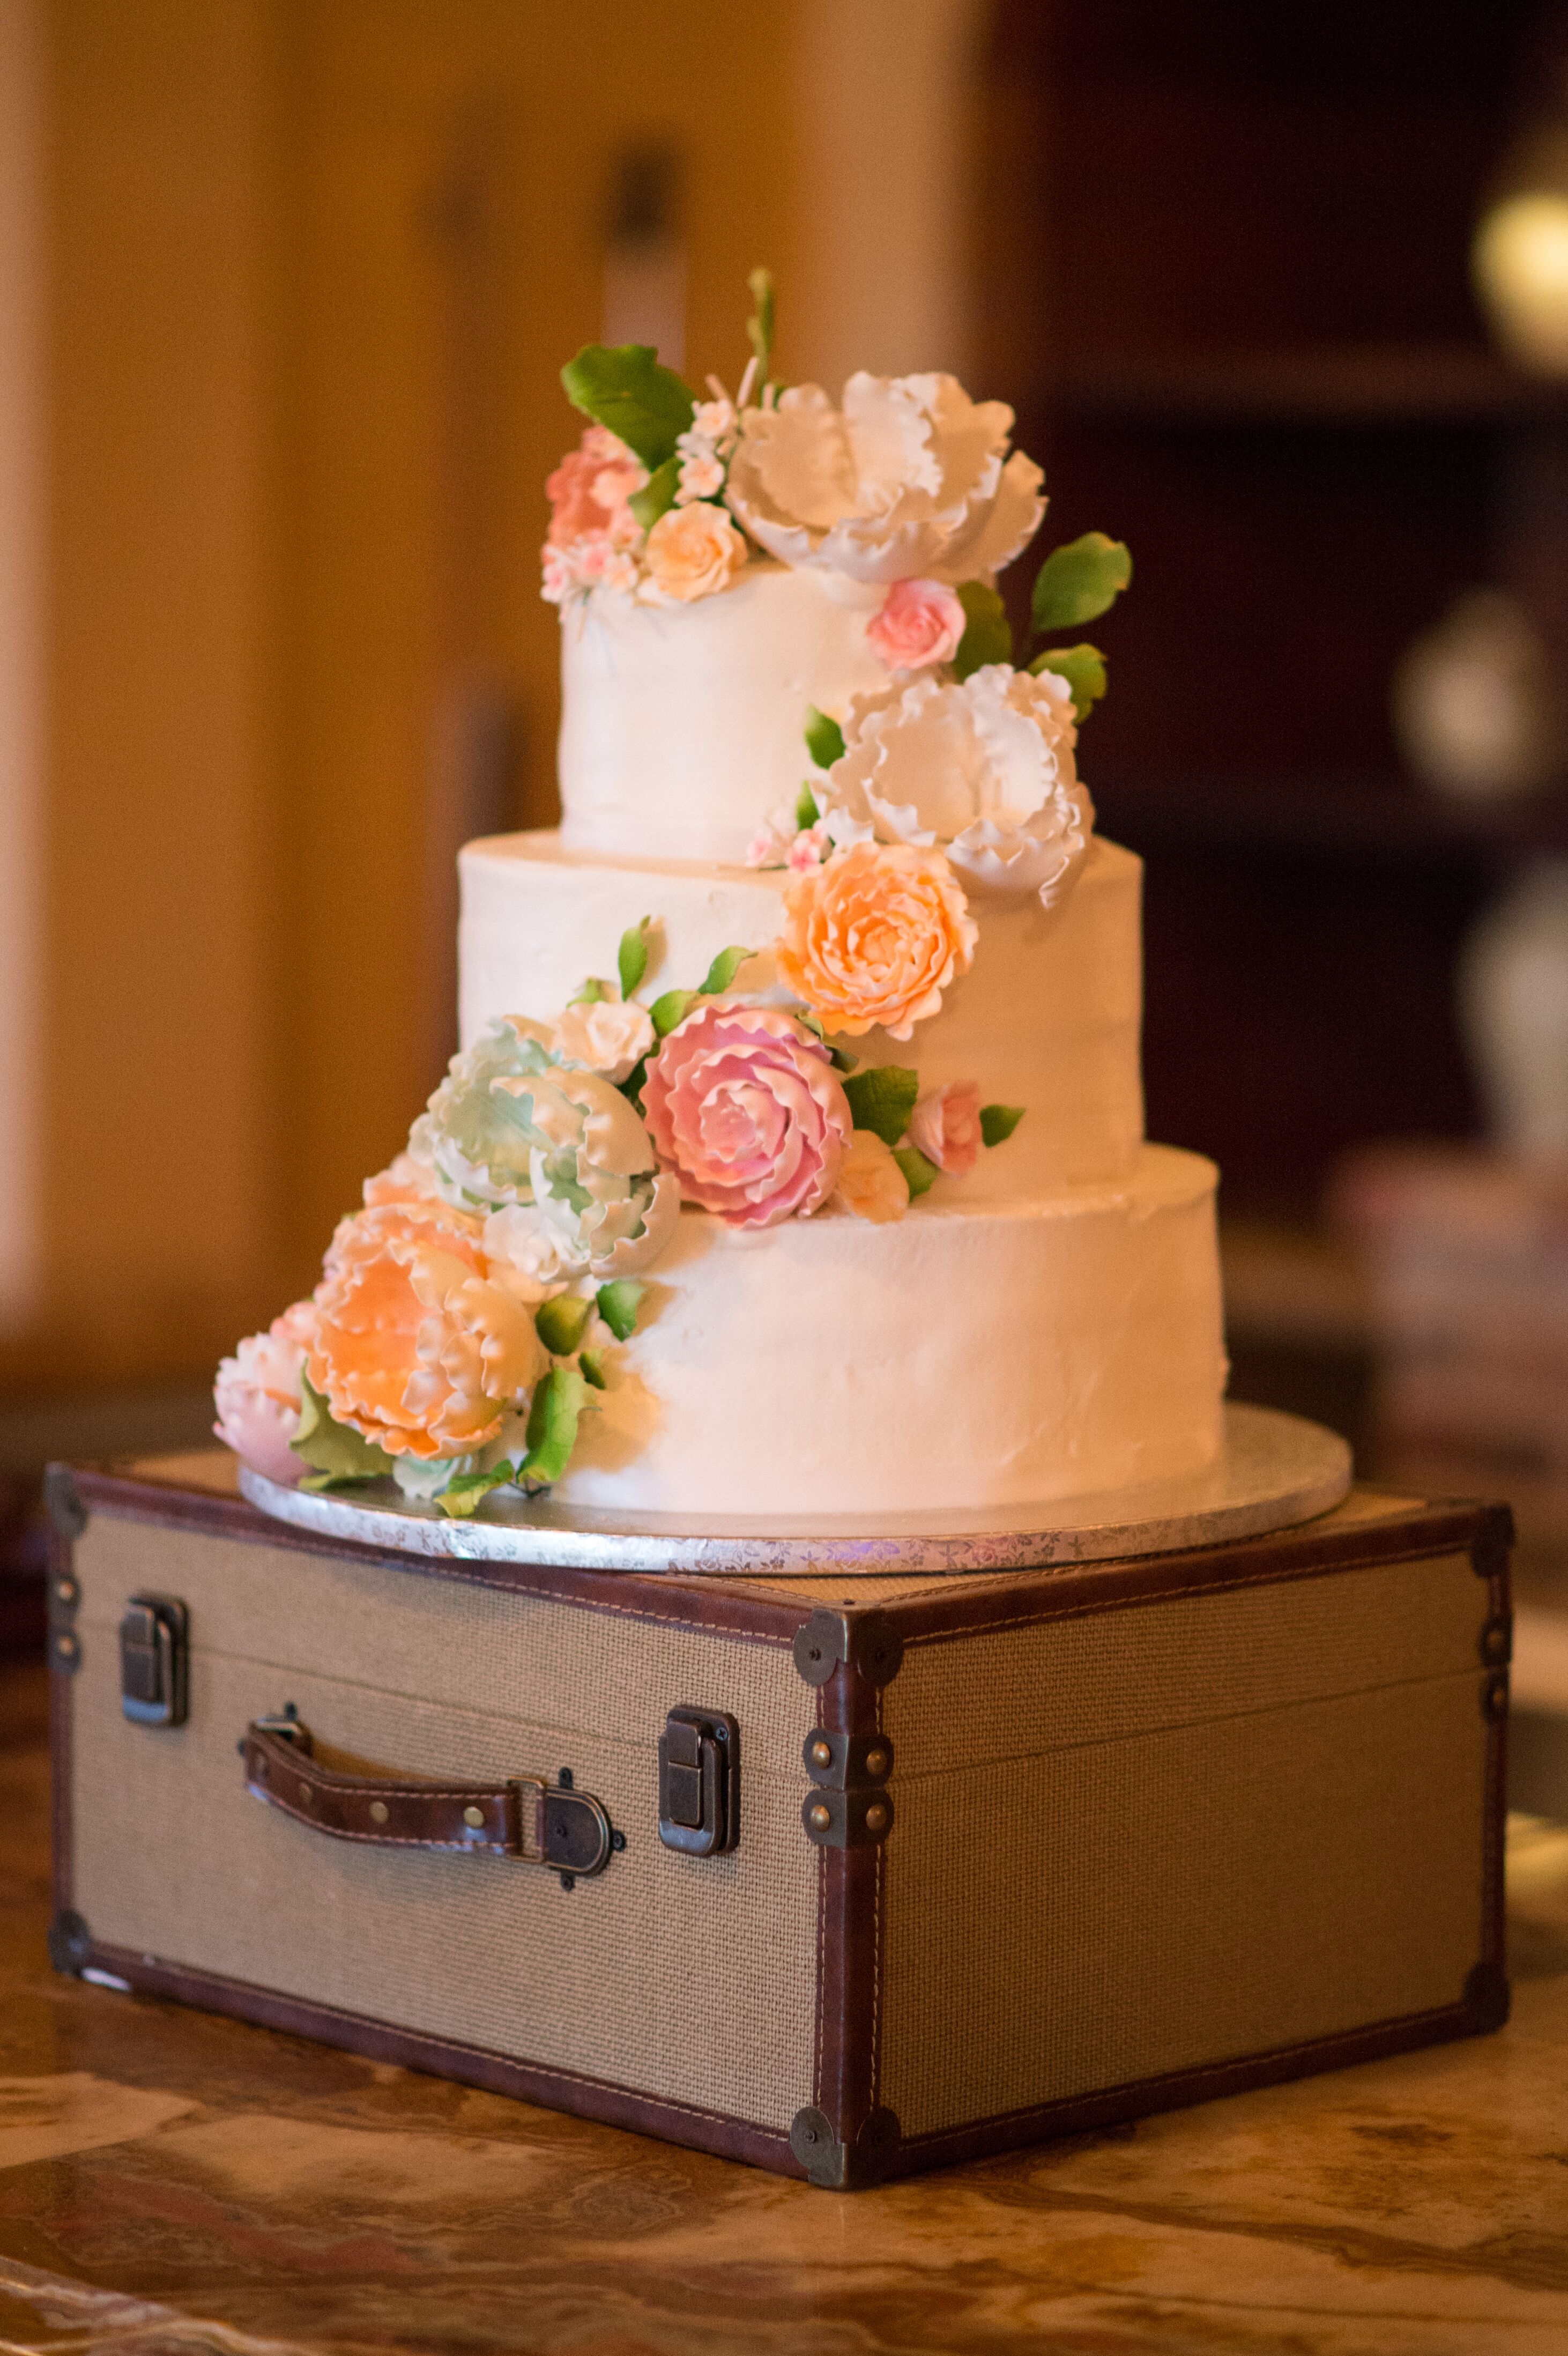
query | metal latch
(154,1653)
(700,1794)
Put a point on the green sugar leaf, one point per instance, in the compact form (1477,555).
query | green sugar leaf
(805,811)
(722,972)
(335,1450)
(462,1493)
(759,326)
(552,1425)
(920,1173)
(658,493)
(1080,580)
(618,1305)
(672,1008)
(997,1122)
(622,386)
(881,1099)
(593,1365)
(562,1323)
(823,738)
(631,957)
(987,633)
(591,991)
(812,1022)
(631,1087)
(1083,669)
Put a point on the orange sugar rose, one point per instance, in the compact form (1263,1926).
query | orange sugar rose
(693,552)
(874,937)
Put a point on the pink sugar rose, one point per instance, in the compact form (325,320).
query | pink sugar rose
(588,490)
(946,1127)
(258,1394)
(919,623)
(745,1106)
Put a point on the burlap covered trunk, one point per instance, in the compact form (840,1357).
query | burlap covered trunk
(1012,1855)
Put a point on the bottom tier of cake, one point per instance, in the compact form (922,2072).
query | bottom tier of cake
(1000,1356)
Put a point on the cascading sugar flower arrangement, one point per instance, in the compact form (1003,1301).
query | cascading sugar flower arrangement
(467,1312)
(490,1287)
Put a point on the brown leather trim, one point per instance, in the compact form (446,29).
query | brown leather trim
(847,2059)
(1490,1554)
(725,1607)
(527,2082)
(949,1607)
(1308,1552)
(1210,2082)
(731,2139)
(390,1811)
(62,1691)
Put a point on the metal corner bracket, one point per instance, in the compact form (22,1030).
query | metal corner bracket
(63,1500)
(849,2165)
(866,1641)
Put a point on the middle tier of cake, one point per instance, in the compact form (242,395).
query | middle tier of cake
(1047,1018)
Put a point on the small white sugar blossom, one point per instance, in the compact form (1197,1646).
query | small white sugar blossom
(811,846)
(702,475)
(983,769)
(715,420)
(705,447)
(609,1035)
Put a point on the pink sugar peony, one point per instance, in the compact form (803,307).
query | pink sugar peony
(258,1394)
(946,1127)
(919,623)
(745,1106)
(588,490)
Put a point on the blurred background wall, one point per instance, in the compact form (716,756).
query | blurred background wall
(287,288)
(284,289)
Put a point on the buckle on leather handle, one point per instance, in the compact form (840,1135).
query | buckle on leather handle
(575,1835)
(567,1831)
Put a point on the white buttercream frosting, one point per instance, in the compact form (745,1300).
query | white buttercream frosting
(961,1359)
(683,726)
(1046,1017)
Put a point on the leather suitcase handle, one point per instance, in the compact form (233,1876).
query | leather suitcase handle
(525,1817)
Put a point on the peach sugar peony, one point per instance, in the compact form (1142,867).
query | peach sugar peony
(693,552)
(874,937)
(414,1346)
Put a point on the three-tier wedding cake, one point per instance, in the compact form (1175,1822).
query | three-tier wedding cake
(793,1165)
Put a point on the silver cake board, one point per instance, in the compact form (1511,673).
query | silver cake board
(1272,1471)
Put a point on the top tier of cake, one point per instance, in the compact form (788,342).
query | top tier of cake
(682,726)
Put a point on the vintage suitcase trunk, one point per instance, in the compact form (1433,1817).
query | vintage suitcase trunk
(945,1865)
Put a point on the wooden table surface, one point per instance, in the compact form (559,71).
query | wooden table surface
(172,2183)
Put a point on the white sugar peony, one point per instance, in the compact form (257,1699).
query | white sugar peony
(984,770)
(909,479)
(593,1169)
